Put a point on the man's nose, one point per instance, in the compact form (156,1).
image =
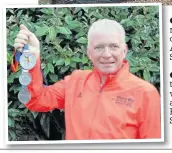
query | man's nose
(106,53)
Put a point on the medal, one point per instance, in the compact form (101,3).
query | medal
(25,78)
(27,61)
(24,96)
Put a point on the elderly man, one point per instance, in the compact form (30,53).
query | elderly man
(107,102)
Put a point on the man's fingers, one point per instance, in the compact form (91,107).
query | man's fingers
(22,36)
(25,36)
(25,32)
(23,27)
(18,46)
(22,41)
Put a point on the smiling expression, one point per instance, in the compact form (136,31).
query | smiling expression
(107,51)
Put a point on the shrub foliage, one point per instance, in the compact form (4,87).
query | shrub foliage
(63,36)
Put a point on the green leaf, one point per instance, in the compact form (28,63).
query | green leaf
(67,61)
(43,65)
(10,10)
(86,9)
(76,59)
(73,24)
(15,88)
(10,79)
(14,112)
(48,11)
(30,117)
(132,61)
(140,19)
(82,40)
(41,31)
(9,57)
(135,69)
(146,75)
(9,104)
(10,41)
(146,59)
(45,124)
(80,34)
(52,34)
(25,111)
(50,67)
(84,59)
(19,13)
(35,114)
(64,69)
(63,30)
(154,68)
(46,70)
(77,9)
(68,18)
(11,122)
(53,77)
(13,135)
(155,54)
(73,65)
(149,42)
(127,38)
(60,62)
(21,106)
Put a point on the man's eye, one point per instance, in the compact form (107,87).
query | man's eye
(99,47)
(113,46)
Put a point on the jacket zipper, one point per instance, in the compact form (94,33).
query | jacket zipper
(102,86)
(99,94)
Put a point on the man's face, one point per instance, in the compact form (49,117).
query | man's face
(107,52)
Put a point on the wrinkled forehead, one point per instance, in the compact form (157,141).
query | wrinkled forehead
(106,37)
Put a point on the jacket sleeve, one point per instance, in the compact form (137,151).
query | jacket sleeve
(150,123)
(45,98)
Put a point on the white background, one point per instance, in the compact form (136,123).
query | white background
(168,133)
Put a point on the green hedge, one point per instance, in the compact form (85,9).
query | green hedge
(63,36)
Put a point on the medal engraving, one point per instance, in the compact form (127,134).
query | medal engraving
(27,61)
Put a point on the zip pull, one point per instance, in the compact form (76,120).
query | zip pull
(103,84)
(100,87)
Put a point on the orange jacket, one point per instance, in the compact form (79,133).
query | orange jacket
(125,107)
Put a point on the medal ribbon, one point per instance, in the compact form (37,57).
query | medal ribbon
(16,58)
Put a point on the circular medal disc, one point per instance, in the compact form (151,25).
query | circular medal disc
(24,96)
(27,61)
(25,78)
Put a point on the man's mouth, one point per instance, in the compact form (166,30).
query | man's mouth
(107,62)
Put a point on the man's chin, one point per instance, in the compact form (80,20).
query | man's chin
(112,72)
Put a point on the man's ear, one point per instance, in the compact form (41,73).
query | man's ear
(125,50)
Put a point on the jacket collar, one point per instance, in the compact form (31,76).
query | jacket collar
(120,76)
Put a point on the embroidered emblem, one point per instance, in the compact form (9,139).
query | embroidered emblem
(124,100)
(80,95)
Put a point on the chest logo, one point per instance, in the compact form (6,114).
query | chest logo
(80,95)
(127,101)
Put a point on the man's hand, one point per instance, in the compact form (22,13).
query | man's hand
(26,37)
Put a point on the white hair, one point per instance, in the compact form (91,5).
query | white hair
(105,25)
